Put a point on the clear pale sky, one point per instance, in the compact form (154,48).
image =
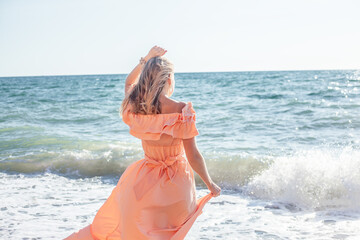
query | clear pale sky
(43,37)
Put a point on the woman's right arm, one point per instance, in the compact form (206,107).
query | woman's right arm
(197,163)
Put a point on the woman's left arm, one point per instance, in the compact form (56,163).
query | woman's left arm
(134,75)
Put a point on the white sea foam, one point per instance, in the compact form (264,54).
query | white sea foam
(318,179)
(50,206)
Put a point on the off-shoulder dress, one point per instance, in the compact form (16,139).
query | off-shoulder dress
(155,197)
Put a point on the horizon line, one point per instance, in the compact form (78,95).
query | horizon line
(95,74)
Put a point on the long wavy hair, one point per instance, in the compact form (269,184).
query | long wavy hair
(144,96)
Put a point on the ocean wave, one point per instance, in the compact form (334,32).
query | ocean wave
(316,179)
(82,159)
(90,159)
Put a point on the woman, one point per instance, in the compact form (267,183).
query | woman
(155,197)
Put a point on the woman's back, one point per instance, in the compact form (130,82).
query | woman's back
(169,108)
(162,134)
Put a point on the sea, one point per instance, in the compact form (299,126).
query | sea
(284,146)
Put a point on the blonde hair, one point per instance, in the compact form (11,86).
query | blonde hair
(144,97)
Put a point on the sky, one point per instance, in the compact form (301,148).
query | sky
(70,37)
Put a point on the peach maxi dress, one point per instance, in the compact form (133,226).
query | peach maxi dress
(155,197)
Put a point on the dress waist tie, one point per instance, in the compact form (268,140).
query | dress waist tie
(152,171)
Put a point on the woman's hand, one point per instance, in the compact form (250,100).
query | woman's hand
(214,189)
(155,52)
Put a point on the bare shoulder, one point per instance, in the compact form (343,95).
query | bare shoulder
(172,106)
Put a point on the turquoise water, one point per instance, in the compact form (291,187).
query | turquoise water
(289,139)
(239,115)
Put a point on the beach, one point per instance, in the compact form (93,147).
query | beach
(283,145)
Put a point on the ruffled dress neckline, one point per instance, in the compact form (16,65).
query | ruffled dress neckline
(152,126)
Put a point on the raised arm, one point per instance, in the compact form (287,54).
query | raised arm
(197,163)
(134,75)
